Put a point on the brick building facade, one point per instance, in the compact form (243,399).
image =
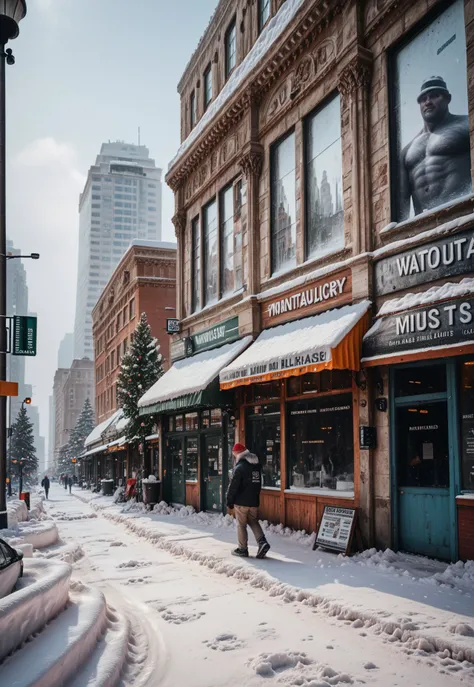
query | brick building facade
(144,281)
(308,166)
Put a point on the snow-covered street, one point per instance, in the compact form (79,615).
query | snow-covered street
(252,624)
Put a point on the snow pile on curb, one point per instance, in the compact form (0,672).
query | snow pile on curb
(17,512)
(41,594)
(39,534)
(456,646)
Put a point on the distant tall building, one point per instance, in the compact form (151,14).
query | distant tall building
(121,201)
(51,434)
(66,351)
(71,388)
(17,304)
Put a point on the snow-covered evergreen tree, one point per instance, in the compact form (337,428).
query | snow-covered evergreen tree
(64,465)
(141,367)
(23,447)
(84,426)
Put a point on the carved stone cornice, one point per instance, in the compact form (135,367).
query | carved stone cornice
(357,73)
(179,221)
(277,62)
(252,160)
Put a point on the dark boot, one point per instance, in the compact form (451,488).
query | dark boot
(243,553)
(263,548)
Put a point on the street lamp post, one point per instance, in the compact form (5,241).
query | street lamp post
(11,13)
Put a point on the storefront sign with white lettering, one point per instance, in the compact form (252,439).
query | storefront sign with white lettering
(438,325)
(276,367)
(315,296)
(448,257)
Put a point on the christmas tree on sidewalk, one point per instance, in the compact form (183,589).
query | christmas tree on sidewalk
(23,450)
(84,426)
(142,366)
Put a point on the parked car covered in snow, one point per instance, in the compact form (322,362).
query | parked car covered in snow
(11,567)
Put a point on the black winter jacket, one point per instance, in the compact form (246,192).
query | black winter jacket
(246,483)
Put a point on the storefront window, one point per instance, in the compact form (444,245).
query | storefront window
(178,423)
(216,417)
(263,439)
(192,459)
(467,424)
(320,443)
(192,422)
(210,253)
(262,392)
(319,382)
(414,381)
(206,419)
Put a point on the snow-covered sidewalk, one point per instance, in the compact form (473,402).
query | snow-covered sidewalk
(423,606)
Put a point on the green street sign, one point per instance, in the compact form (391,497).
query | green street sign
(24,335)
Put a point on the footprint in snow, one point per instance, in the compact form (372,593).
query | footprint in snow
(225,642)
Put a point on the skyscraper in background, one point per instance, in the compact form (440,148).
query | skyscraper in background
(121,201)
(66,351)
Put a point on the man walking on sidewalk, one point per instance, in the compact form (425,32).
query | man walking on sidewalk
(45,485)
(243,496)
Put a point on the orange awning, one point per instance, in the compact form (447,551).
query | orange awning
(329,341)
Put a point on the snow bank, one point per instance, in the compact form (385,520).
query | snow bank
(41,594)
(8,578)
(55,656)
(17,512)
(39,534)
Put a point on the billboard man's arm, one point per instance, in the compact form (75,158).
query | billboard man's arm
(404,188)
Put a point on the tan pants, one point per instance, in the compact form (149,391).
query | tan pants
(247,516)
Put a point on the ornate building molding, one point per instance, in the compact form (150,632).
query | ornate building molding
(271,68)
(356,74)
(179,221)
(251,161)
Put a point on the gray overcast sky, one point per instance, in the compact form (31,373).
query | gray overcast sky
(86,71)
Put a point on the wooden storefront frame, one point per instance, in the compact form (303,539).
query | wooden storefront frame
(284,495)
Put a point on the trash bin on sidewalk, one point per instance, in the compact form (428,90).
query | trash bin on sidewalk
(25,496)
(151,491)
(107,486)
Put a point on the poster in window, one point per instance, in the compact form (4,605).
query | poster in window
(430,129)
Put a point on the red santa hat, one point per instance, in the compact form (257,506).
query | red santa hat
(238,448)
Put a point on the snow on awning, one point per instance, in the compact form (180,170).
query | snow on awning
(331,340)
(97,432)
(186,383)
(93,451)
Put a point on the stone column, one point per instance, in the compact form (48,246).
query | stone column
(251,165)
(179,221)
(353,84)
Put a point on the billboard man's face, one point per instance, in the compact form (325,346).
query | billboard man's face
(434,105)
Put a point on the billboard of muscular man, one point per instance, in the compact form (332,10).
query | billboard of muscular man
(432,131)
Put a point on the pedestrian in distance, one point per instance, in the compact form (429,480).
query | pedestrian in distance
(243,497)
(45,485)
(69,483)
(65,482)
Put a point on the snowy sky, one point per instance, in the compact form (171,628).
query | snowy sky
(86,72)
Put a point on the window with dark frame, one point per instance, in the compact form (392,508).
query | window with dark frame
(196,264)
(193,109)
(263,437)
(230,48)
(227,240)
(467,424)
(207,86)
(283,204)
(210,253)
(264,7)
(324,204)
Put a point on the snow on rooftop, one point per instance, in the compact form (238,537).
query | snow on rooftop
(269,35)
(299,337)
(192,374)
(147,243)
(97,432)
(436,293)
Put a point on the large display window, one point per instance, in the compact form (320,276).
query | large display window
(320,443)
(429,126)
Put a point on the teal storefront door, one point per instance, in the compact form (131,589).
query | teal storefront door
(424,460)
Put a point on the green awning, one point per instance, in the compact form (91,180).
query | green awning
(211,397)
